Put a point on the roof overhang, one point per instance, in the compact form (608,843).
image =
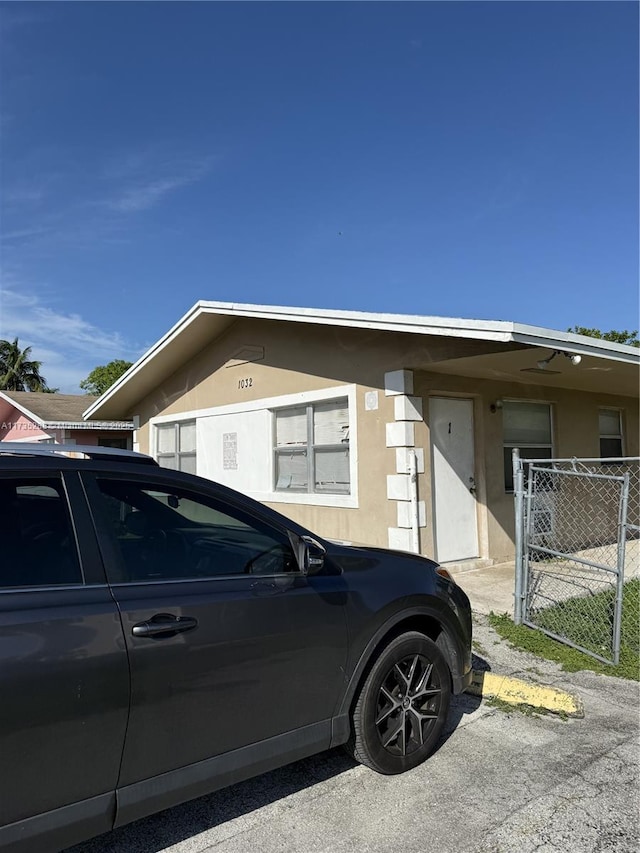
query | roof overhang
(205,321)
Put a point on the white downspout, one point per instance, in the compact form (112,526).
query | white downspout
(413,494)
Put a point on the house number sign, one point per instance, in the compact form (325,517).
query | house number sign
(245,383)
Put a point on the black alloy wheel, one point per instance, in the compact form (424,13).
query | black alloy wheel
(402,706)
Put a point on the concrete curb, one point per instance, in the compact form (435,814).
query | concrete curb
(514,691)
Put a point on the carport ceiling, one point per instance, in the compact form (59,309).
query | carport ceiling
(595,375)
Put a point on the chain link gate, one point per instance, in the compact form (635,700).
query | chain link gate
(577,536)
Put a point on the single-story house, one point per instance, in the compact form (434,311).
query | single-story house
(322,413)
(57,419)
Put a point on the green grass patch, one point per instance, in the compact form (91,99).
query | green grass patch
(479,648)
(576,616)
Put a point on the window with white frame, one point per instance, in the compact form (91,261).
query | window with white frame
(312,448)
(610,424)
(528,427)
(176,446)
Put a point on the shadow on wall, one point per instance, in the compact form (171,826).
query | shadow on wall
(342,355)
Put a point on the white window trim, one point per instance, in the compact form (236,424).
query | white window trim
(301,498)
(309,447)
(178,454)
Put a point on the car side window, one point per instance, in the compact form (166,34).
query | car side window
(172,534)
(37,542)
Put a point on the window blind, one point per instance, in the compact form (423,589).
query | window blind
(526,423)
(291,426)
(166,438)
(330,423)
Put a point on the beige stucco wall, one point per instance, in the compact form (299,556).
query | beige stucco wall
(304,358)
(322,358)
(575,433)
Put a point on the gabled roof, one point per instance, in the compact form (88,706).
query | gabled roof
(51,411)
(207,320)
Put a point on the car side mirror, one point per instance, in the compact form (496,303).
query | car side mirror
(312,553)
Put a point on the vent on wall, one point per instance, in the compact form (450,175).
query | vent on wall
(244,355)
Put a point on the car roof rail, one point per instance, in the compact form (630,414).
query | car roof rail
(73,451)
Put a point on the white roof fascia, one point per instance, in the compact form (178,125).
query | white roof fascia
(570,342)
(503,331)
(135,368)
(22,409)
(498,330)
(492,330)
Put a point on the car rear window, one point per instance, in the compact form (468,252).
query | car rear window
(37,542)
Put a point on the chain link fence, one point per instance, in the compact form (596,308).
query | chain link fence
(577,543)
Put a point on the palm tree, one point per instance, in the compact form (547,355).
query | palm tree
(17,372)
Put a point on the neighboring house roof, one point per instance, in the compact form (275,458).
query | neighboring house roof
(207,320)
(58,411)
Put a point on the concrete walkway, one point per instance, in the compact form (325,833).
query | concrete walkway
(492,587)
(489,588)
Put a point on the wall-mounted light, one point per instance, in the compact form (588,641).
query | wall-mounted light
(493,407)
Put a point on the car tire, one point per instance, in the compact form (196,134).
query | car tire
(402,706)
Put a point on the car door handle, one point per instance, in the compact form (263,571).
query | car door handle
(161,624)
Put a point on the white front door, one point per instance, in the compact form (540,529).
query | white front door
(456,526)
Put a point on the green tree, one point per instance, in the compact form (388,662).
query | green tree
(624,337)
(102,377)
(17,371)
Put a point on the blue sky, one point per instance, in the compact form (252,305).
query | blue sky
(462,159)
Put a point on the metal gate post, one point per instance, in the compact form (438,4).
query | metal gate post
(622,545)
(518,495)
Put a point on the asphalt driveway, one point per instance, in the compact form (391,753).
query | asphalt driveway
(499,783)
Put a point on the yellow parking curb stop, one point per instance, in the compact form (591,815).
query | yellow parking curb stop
(514,691)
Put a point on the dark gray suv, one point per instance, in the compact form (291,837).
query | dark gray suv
(162,636)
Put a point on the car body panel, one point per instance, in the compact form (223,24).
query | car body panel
(376,577)
(64,678)
(52,831)
(195,780)
(64,682)
(267,656)
(106,725)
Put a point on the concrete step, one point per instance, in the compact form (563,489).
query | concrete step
(458,566)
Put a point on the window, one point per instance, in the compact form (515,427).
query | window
(610,434)
(528,427)
(176,446)
(169,534)
(312,448)
(36,536)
